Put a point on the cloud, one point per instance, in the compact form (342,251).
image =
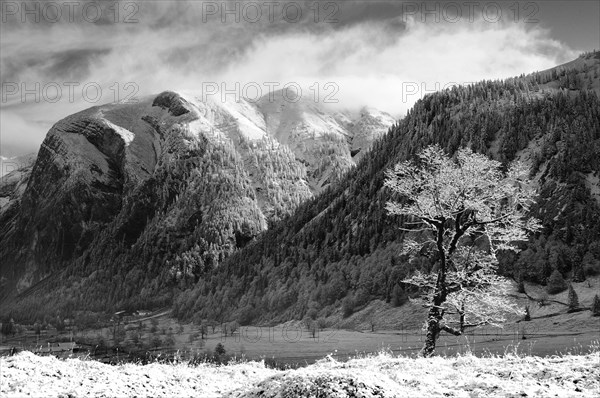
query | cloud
(18,134)
(374,56)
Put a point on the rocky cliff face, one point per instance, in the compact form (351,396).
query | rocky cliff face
(370,125)
(167,186)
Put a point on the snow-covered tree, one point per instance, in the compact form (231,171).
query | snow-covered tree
(470,209)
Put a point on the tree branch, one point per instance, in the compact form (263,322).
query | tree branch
(458,232)
(493,221)
(450,330)
(431,221)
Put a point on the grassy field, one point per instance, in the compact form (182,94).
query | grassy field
(294,345)
(551,331)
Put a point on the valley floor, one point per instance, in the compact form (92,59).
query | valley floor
(26,374)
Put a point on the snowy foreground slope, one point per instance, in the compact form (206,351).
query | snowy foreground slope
(378,376)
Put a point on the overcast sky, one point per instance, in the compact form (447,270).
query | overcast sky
(375,53)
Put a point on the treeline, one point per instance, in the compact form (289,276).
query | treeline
(341,247)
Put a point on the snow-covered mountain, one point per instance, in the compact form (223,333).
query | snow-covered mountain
(215,172)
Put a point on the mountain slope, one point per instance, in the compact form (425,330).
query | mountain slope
(341,248)
(130,200)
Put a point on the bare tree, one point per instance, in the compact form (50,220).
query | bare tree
(203,329)
(233,327)
(308,322)
(471,209)
(372,323)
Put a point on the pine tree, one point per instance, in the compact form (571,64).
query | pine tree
(520,284)
(399,296)
(596,306)
(579,274)
(556,283)
(573,299)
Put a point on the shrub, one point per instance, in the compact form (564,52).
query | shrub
(156,342)
(220,349)
(556,283)
(596,306)
(543,299)
(573,299)
(169,340)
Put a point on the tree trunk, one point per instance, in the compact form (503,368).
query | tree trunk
(436,313)
(433,331)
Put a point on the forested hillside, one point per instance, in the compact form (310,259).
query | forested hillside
(340,249)
(128,203)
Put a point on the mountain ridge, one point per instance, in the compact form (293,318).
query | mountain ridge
(94,184)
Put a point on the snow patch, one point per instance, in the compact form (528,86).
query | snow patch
(125,134)
(383,117)
(249,122)
(373,376)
